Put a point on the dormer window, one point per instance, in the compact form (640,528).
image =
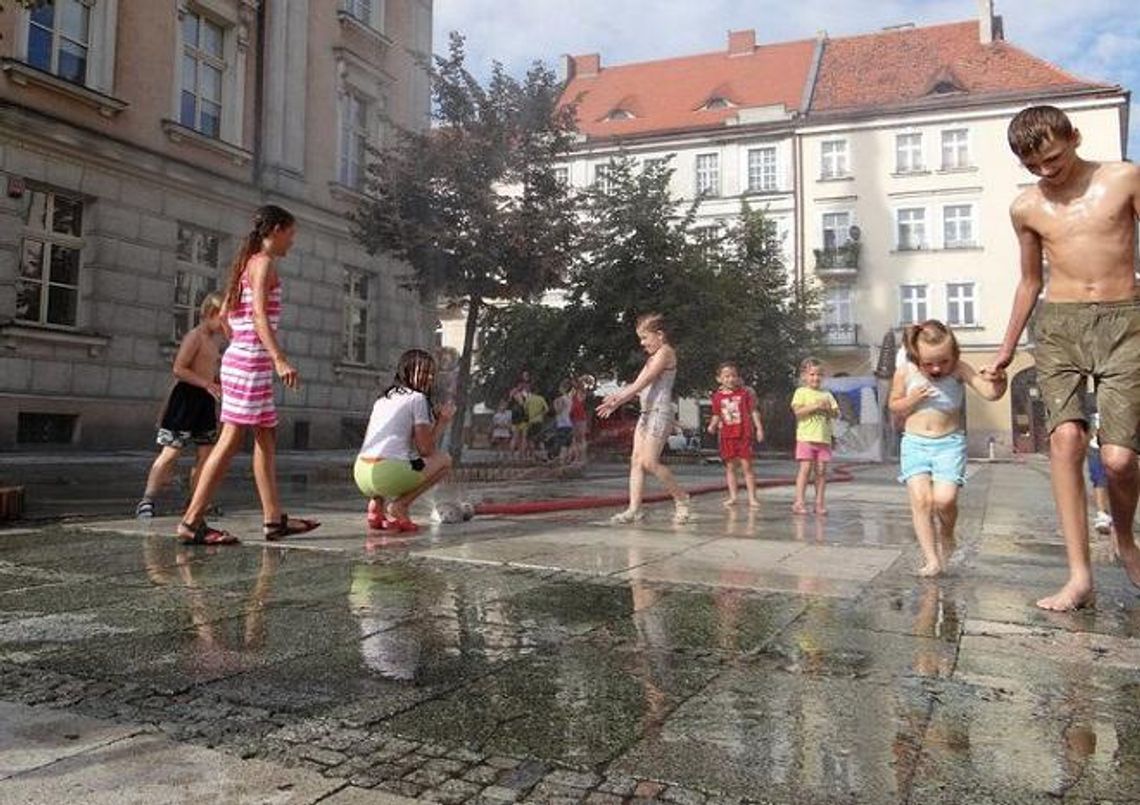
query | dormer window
(718,102)
(620,114)
(944,88)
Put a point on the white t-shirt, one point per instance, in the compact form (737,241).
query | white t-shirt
(393,420)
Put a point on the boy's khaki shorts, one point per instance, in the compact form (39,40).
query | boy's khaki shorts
(1077,340)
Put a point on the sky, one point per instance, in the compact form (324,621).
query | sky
(1095,39)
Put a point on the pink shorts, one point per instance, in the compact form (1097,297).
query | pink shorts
(813,451)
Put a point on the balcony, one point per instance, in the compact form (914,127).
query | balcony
(841,335)
(837,261)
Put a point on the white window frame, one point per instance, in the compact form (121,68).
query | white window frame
(763,174)
(358,78)
(561,174)
(53,240)
(235,46)
(909,152)
(201,275)
(907,245)
(914,302)
(373,17)
(958,242)
(101,41)
(838,314)
(834,158)
(959,162)
(203,60)
(973,300)
(602,176)
(356,303)
(841,237)
(707,171)
(353,138)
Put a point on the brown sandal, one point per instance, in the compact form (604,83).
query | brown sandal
(287,527)
(203,534)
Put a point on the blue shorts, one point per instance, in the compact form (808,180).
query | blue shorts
(943,458)
(1097,476)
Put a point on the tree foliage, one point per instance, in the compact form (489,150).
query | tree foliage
(473,205)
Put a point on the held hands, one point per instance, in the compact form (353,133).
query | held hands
(286,372)
(995,372)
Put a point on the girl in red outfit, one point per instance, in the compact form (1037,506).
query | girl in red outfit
(735,417)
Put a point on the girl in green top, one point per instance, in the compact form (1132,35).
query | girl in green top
(814,408)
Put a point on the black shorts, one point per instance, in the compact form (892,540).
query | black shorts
(190,411)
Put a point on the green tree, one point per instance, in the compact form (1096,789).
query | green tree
(473,205)
(778,324)
(639,255)
(526,335)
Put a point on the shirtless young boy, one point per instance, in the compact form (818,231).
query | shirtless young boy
(190,415)
(1082,216)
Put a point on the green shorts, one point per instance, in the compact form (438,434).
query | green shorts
(1101,340)
(386,478)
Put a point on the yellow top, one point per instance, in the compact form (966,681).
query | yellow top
(814,427)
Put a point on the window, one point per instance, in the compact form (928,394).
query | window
(653,164)
(707,238)
(203,67)
(958,226)
(37,428)
(955,149)
(620,114)
(59,38)
(912,229)
(369,12)
(833,159)
(836,229)
(762,169)
(196,275)
(561,175)
(908,153)
(961,304)
(708,175)
(47,287)
(602,178)
(355,346)
(353,140)
(912,304)
(839,326)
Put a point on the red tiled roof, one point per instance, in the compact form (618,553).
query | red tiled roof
(671,94)
(902,66)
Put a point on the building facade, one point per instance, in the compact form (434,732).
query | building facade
(136,139)
(890,180)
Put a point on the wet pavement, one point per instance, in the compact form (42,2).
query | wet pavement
(744,656)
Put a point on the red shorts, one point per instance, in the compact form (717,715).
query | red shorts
(736,447)
(813,451)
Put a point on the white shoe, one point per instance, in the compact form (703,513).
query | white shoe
(628,516)
(681,512)
(1102,522)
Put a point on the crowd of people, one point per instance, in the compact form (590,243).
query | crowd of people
(1080,214)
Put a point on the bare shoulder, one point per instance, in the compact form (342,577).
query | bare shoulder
(1125,175)
(1026,203)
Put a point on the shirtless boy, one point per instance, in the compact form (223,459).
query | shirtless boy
(190,415)
(1081,215)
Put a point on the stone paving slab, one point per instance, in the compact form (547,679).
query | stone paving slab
(30,737)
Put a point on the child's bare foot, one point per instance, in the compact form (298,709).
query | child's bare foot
(729,502)
(799,508)
(1070,597)
(1129,556)
(754,504)
(821,510)
(930,570)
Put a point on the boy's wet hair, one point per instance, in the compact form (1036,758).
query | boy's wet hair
(1035,126)
(652,323)
(211,305)
(810,363)
(932,333)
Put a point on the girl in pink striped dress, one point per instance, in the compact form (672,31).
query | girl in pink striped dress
(252,308)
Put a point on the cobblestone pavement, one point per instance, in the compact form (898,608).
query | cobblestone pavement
(741,657)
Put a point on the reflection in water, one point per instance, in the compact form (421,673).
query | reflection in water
(216,645)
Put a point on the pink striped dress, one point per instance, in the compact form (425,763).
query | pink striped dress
(247,369)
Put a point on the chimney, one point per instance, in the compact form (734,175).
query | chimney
(587,66)
(989,25)
(741,43)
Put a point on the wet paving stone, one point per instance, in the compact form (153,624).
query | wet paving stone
(788,738)
(575,706)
